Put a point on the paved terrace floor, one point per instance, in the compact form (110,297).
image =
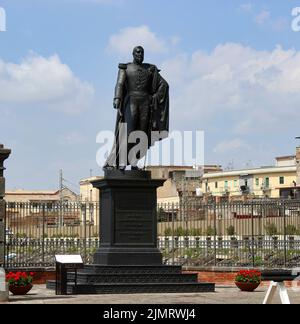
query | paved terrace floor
(223,295)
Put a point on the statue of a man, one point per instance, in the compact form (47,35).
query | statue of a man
(142,100)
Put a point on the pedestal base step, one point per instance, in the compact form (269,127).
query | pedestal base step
(122,270)
(146,288)
(133,280)
(88,278)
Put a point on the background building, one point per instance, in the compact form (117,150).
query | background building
(279,181)
(32,196)
(183,183)
(87,191)
(51,208)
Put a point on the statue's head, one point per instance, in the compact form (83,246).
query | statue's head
(138,54)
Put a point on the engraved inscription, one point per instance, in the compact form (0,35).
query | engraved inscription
(136,201)
(134,227)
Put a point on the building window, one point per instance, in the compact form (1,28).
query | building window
(281,180)
(257,182)
(267,183)
(11,205)
(235,183)
(226,185)
(49,206)
(216,185)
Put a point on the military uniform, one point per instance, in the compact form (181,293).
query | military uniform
(137,81)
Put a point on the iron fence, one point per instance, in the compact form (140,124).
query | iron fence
(36,232)
(258,233)
(237,234)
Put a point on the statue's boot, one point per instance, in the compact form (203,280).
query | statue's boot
(107,167)
(136,168)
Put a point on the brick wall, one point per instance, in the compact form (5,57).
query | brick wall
(42,277)
(226,278)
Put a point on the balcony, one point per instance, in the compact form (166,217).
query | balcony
(245,190)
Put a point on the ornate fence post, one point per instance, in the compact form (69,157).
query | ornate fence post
(4,154)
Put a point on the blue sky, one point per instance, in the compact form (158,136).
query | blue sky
(233,68)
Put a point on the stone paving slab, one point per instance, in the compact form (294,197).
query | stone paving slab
(223,295)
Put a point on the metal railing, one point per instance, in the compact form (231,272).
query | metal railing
(258,233)
(237,234)
(36,232)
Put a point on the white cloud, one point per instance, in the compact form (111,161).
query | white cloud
(46,82)
(256,90)
(262,17)
(72,138)
(126,39)
(175,40)
(231,146)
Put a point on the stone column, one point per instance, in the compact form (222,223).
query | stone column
(4,154)
(298,165)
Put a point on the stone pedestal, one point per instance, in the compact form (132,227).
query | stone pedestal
(128,261)
(128,219)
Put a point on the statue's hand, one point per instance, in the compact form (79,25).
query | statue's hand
(117,103)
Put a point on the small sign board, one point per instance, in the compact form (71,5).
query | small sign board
(65,263)
(69,259)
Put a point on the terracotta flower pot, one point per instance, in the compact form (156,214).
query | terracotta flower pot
(247,286)
(20,290)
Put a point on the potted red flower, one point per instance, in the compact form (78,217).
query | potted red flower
(248,280)
(19,283)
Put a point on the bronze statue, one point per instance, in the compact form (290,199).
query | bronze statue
(142,101)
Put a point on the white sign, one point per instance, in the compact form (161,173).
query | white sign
(69,259)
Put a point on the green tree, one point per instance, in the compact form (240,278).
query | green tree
(291,230)
(271,229)
(231,230)
(181,232)
(196,231)
(211,231)
(168,231)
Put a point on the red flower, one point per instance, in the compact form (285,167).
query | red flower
(252,276)
(19,278)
